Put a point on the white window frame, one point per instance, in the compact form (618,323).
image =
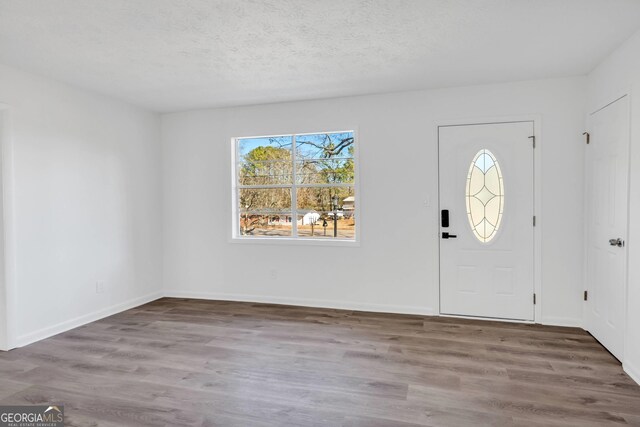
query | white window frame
(236,237)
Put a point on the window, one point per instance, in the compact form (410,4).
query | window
(485,196)
(296,186)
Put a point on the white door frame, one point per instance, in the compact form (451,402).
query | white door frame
(601,104)
(537,201)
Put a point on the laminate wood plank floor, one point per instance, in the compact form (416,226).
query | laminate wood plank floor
(185,362)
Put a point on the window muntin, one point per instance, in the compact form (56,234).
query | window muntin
(485,196)
(287,186)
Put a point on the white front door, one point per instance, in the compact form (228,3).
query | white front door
(487,247)
(607,210)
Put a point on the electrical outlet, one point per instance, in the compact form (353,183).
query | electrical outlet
(99,287)
(273,274)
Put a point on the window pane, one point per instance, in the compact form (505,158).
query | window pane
(316,212)
(325,158)
(265,212)
(265,161)
(265,225)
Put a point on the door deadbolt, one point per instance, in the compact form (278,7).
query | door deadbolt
(616,242)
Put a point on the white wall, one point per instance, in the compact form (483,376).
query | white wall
(396,266)
(84,205)
(4,309)
(617,75)
(88,201)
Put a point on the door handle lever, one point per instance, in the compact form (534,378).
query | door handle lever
(616,242)
(446,235)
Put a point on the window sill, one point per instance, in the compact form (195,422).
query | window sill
(294,241)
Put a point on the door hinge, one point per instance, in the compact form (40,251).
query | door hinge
(534,220)
(588,136)
(534,299)
(586,295)
(533,139)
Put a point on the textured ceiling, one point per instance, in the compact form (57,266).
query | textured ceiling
(170,55)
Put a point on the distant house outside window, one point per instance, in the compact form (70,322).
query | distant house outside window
(300,186)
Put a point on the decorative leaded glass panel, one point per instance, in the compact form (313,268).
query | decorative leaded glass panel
(485,196)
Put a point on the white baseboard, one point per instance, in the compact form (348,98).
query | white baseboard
(50,331)
(488,319)
(632,370)
(562,321)
(304,302)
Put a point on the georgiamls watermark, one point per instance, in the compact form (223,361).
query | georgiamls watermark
(32,416)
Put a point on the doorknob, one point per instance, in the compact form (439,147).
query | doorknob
(616,242)
(446,235)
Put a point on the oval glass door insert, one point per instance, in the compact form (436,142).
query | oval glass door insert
(485,196)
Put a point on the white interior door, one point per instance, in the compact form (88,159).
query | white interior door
(607,210)
(487,249)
